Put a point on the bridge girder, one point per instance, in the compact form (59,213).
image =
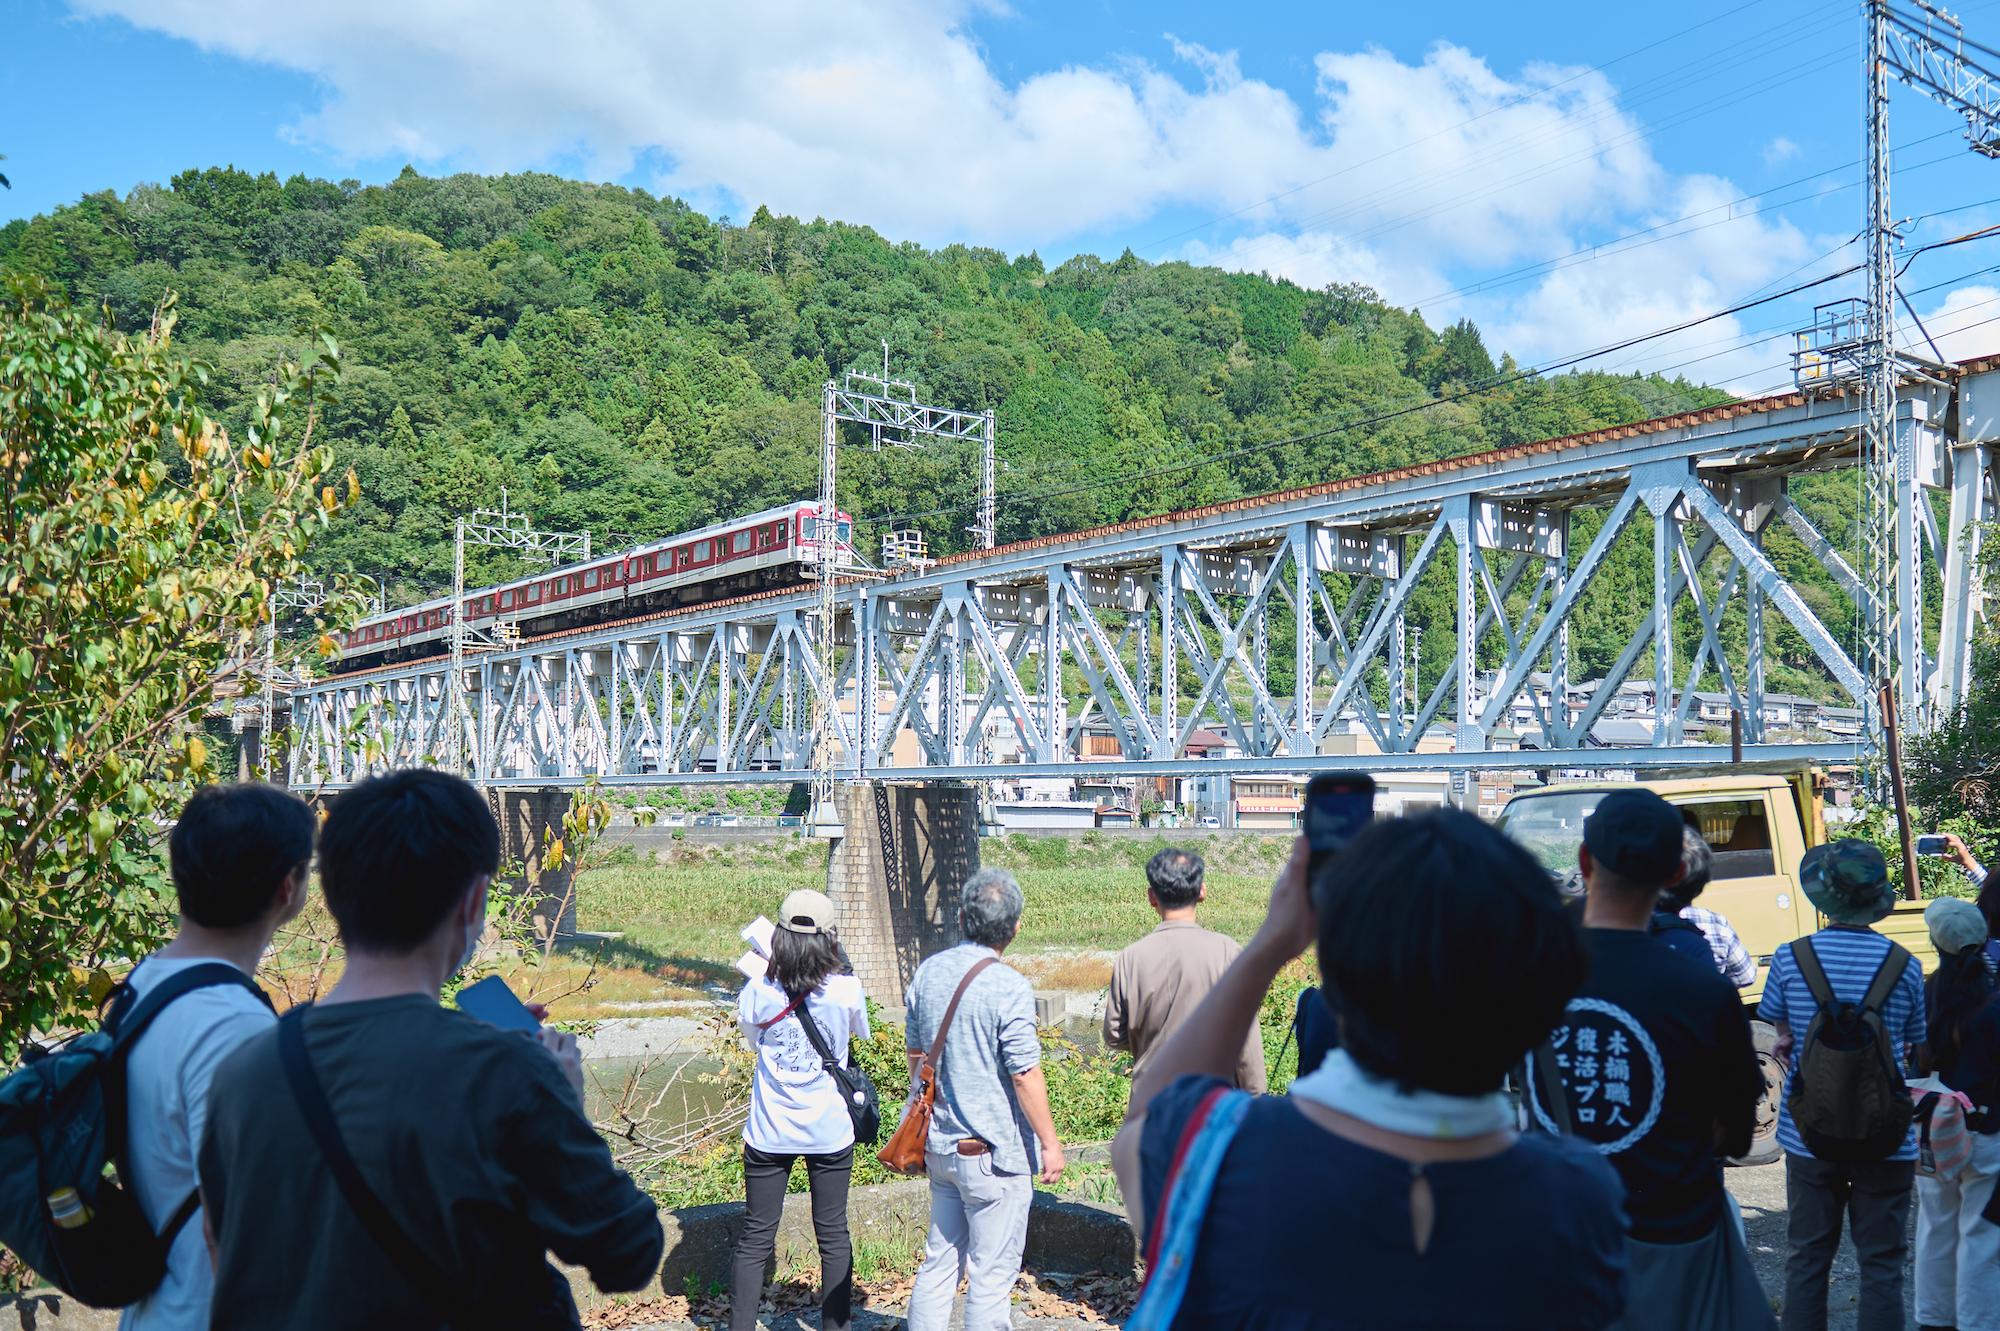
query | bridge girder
(979,646)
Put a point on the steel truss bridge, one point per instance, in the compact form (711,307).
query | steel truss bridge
(1181,619)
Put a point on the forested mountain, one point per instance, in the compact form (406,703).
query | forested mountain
(623,364)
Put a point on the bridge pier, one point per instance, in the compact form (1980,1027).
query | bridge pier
(894,878)
(527,818)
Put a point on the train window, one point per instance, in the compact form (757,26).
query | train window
(534,591)
(739,542)
(846,530)
(590,577)
(700,552)
(506,600)
(807,528)
(778,533)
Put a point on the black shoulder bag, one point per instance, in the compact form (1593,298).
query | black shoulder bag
(521,1307)
(856,1087)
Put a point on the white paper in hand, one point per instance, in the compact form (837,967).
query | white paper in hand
(757,934)
(752,965)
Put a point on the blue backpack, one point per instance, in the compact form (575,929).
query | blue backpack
(63,1126)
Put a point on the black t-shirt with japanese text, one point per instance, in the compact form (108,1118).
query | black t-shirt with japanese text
(1655,1053)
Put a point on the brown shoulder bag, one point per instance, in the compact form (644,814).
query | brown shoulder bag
(903,1153)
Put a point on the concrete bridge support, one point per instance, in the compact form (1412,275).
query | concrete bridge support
(895,877)
(528,819)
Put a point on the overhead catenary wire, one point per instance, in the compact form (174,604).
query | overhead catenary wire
(1392,413)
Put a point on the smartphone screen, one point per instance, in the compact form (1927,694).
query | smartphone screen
(494,1003)
(1933,845)
(1338,805)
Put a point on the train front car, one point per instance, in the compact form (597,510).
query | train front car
(762,552)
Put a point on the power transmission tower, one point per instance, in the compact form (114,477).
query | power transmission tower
(303,595)
(504,530)
(1854,343)
(1927,50)
(894,416)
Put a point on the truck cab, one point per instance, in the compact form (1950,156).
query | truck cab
(1759,819)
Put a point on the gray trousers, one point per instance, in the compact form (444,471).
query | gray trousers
(979,1224)
(1875,1201)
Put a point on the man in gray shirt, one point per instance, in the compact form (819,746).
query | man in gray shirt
(991,1131)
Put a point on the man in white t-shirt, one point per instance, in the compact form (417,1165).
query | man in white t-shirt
(240,857)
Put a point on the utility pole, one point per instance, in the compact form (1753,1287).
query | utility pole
(893,415)
(304,596)
(1878,374)
(505,530)
(1927,52)
(826,536)
(988,506)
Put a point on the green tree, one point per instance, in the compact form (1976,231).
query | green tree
(139,546)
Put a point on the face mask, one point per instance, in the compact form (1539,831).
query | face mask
(474,932)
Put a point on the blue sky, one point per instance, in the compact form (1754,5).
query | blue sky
(1595,173)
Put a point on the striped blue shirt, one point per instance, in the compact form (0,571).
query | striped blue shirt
(1850,958)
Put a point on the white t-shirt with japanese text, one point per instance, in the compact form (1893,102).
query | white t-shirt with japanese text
(795,1106)
(167,1077)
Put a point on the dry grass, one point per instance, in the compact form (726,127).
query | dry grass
(1080,972)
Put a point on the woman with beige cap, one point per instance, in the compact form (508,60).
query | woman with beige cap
(795,1106)
(1958,1249)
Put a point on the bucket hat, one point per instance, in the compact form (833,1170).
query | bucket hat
(1848,880)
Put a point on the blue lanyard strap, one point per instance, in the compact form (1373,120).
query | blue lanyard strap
(1171,1253)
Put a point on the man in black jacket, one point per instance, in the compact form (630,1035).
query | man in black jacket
(1659,1073)
(469,1141)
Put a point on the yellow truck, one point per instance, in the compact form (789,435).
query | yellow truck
(1759,820)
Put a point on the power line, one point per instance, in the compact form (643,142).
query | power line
(1394,413)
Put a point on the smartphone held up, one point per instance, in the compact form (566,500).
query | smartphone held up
(1933,845)
(1338,805)
(494,1003)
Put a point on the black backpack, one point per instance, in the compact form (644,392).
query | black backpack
(1847,1097)
(63,1125)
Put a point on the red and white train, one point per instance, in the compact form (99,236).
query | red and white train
(774,548)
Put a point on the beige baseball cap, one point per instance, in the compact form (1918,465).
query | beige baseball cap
(806,912)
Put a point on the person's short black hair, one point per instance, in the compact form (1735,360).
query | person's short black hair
(1445,950)
(232,849)
(1175,877)
(397,853)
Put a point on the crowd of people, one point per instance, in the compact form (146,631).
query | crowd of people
(1513,1105)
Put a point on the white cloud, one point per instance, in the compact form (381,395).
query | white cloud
(1780,149)
(1408,176)
(1966,323)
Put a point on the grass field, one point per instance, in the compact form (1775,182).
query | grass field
(1086,898)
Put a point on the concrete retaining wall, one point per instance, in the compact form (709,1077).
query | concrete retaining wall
(1064,1235)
